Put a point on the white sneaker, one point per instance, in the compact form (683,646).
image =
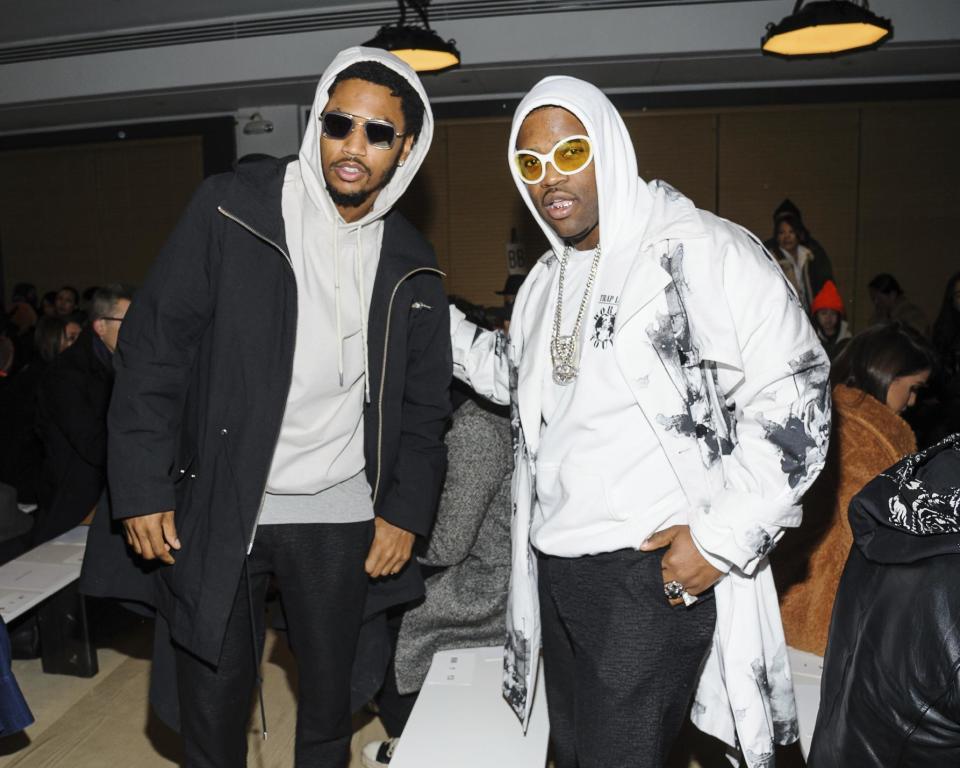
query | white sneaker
(378,753)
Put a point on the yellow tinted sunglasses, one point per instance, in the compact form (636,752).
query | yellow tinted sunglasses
(569,156)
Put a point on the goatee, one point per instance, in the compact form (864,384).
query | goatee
(356,199)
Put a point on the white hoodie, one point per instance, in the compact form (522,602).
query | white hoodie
(335,262)
(723,363)
(603,482)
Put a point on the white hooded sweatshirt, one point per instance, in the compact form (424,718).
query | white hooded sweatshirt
(725,369)
(320,447)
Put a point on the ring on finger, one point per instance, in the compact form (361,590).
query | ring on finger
(673,590)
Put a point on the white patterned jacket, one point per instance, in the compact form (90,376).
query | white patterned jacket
(723,362)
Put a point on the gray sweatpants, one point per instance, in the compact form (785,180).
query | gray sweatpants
(621,663)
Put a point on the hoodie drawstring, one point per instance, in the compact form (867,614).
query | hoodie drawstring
(362,291)
(336,293)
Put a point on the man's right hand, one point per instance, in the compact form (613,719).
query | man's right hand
(152,536)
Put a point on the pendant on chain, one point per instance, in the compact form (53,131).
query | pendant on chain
(564,353)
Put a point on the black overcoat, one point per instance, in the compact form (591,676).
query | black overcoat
(203,370)
(72,422)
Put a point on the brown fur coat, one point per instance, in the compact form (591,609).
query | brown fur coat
(867,438)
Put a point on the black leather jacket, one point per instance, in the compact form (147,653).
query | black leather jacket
(891,680)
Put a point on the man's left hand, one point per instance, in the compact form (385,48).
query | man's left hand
(391,548)
(682,561)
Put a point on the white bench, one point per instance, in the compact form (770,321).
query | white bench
(807,669)
(46,578)
(461,719)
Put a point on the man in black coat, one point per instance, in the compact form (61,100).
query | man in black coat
(281,395)
(72,419)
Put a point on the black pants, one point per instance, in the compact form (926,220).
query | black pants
(395,708)
(621,664)
(319,570)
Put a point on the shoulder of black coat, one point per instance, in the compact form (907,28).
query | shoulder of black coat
(403,242)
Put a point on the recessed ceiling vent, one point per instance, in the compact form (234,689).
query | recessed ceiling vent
(342,18)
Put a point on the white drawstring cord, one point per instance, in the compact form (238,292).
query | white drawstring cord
(336,285)
(361,288)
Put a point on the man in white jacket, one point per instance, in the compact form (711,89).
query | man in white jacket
(670,408)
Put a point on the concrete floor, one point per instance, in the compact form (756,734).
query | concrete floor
(105,721)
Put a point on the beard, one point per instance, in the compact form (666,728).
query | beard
(356,199)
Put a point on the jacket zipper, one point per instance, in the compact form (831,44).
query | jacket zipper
(383,370)
(263,493)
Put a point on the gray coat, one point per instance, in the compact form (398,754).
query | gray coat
(465,604)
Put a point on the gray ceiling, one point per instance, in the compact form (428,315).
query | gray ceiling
(923,51)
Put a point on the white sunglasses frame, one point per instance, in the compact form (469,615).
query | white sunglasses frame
(548,158)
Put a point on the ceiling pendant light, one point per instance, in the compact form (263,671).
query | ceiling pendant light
(419,46)
(826,28)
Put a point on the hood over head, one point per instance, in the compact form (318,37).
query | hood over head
(912,510)
(311,171)
(631,210)
(787,208)
(310,214)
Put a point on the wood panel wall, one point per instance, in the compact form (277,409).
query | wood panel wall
(877,184)
(92,213)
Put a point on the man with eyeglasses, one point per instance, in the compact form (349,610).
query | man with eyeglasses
(671,407)
(72,418)
(282,390)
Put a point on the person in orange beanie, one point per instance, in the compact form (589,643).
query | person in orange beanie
(828,318)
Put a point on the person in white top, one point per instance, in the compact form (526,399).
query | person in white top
(670,407)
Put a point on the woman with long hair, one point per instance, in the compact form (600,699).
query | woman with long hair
(876,379)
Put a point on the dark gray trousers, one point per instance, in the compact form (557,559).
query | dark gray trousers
(621,663)
(323,586)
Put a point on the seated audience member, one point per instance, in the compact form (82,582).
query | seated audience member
(890,694)
(875,379)
(49,338)
(48,304)
(828,319)
(72,329)
(22,323)
(20,450)
(938,412)
(72,415)
(469,547)
(891,305)
(67,301)
(86,299)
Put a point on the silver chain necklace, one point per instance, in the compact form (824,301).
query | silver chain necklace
(564,350)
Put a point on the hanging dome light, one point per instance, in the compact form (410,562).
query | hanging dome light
(826,28)
(419,46)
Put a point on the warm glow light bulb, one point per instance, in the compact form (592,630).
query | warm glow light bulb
(824,38)
(423,60)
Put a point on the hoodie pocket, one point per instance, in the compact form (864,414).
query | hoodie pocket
(571,487)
